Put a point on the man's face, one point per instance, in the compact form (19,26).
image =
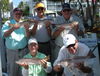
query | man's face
(18,14)
(40,10)
(66,13)
(33,47)
(72,48)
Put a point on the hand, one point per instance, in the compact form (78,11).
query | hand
(44,63)
(35,22)
(14,26)
(61,28)
(26,26)
(47,23)
(24,65)
(79,65)
(74,24)
(57,68)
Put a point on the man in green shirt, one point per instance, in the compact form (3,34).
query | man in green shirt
(35,69)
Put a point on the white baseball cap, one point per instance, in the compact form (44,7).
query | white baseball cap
(69,39)
(32,40)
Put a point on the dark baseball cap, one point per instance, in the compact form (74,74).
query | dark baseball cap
(66,6)
(17,9)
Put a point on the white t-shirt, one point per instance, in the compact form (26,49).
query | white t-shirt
(82,50)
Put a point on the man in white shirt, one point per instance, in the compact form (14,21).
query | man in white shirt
(71,49)
(63,27)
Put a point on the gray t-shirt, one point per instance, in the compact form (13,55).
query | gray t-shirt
(61,20)
(81,51)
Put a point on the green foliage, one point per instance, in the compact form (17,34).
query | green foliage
(21,4)
(5,5)
(25,8)
(4,20)
(26,11)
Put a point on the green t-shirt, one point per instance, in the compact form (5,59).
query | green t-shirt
(36,70)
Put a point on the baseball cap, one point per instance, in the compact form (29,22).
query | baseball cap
(17,9)
(32,40)
(39,4)
(69,39)
(66,6)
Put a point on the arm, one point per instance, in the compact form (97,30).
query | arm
(24,72)
(27,30)
(57,32)
(48,69)
(81,28)
(10,30)
(61,56)
(47,66)
(48,23)
(33,31)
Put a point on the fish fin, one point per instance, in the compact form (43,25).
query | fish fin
(47,58)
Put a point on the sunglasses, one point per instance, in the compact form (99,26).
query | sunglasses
(66,10)
(40,8)
(18,13)
(72,45)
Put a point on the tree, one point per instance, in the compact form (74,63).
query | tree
(26,11)
(5,6)
(0,15)
(25,8)
(21,5)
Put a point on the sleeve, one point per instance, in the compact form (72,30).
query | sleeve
(49,67)
(24,72)
(5,27)
(56,21)
(81,26)
(61,56)
(90,62)
(83,49)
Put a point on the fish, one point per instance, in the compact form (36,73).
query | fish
(66,25)
(29,22)
(31,61)
(76,59)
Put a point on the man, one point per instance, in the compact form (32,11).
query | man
(64,25)
(71,49)
(42,29)
(15,41)
(35,69)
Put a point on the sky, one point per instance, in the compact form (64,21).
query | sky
(16,2)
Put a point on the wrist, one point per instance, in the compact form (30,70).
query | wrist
(47,27)
(12,28)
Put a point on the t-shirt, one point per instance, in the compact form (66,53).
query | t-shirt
(82,50)
(38,70)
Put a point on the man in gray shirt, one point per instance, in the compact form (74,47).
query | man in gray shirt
(64,25)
